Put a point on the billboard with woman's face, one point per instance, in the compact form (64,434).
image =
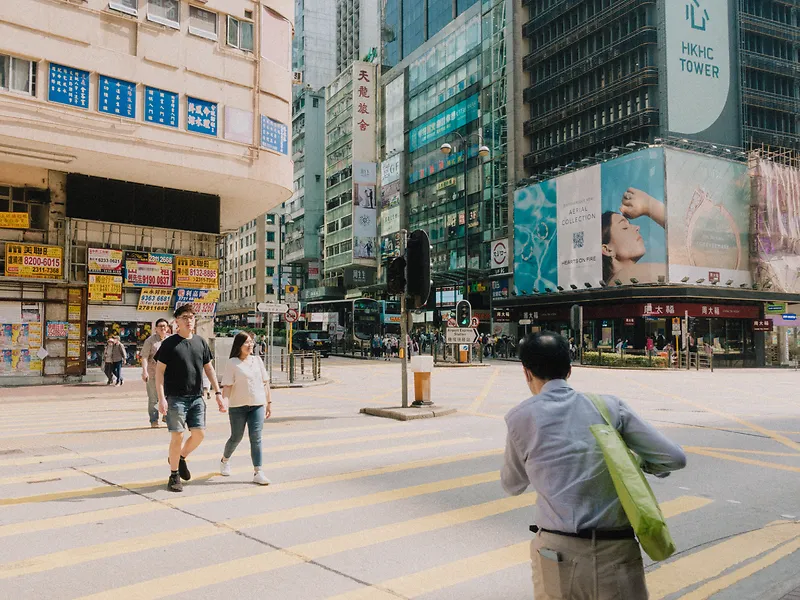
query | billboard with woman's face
(597,226)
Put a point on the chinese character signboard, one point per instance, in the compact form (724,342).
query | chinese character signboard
(14,220)
(161,107)
(499,289)
(364,122)
(195,272)
(274,135)
(105,288)
(34,262)
(762,324)
(201,116)
(68,86)
(56,330)
(499,257)
(204,302)
(105,260)
(155,300)
(116,97)
(359,276)
(148,269)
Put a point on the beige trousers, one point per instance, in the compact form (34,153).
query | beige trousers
(587,570)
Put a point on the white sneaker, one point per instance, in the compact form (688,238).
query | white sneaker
(225,468)
(260,478)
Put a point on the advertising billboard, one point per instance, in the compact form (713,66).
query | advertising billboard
(598,226)
(148,269)
(363,114)
(776,226)
(34,261)
(709,217)
(702,81)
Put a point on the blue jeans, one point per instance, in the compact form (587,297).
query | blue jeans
(118,371)
(253,417)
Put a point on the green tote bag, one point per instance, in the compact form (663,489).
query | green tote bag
(638,500)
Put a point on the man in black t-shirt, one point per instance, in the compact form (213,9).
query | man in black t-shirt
(181,361)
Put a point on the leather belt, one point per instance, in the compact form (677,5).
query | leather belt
(587,534)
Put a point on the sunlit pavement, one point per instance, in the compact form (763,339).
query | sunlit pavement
(367,508)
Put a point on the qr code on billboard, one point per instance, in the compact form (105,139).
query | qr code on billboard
(577,240)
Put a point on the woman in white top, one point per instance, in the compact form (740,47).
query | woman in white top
(245,389)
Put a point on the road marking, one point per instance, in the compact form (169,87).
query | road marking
(480,414)
(453,573)
(743,460)
(159,483)
(80,555)
(741,451)
(269,561)
(778,437)
(487,387)
(712,562)
(788,517)
(108,514)
(146,464)
(733,501)
(267,437)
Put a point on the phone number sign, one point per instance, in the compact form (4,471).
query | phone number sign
(34,262)
(148,269)
(194,272)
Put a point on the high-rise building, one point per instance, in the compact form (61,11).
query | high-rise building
(357,32)
(601,75)
(136,134)
(314,44)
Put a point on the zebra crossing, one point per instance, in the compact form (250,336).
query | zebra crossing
(360,509)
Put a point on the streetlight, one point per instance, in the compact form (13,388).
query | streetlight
(282,222)
(483,152)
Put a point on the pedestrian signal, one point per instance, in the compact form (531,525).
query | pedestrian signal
(463,314)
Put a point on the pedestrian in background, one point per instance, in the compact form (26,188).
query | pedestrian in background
(182,358)
(584,545)
(108,363)
(245,390)
(149,350)
(118,356)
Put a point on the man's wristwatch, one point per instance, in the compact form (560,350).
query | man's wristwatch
(218,393)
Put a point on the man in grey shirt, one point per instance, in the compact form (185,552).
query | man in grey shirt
(149,350)
(585,547)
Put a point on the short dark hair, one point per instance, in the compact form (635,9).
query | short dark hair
(183,309)
(159,321)
(546,355)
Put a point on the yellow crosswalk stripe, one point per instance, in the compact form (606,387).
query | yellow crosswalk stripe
(712,562)
(199,578)
(108,514)
(76,556)
(269,435)
(460,571)
(195,458)
(740,451)
(744,460)
(318,460)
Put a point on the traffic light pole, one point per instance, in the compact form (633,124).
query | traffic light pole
(403,330)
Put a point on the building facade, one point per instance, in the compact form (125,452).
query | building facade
(357,32)
(135,134)
(602,75)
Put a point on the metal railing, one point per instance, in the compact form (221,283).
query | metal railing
(297,367)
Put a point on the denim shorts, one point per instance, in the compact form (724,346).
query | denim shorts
(186,412)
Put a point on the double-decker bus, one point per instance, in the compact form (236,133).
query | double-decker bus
(352,321)
(390,316)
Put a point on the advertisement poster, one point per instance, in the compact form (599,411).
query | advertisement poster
(148,269)
(709,219)
(601,225)
(195,272)
(365,224)
(19,334)
(203,301)
(57,330)
(105,288)
(14,220)
(104,260)
(73,348)
(776,223)
(33,261)
(8,359)
(34,335)
(155,300)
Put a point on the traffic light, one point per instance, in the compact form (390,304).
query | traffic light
(463,313)
(418,268)
(396,276)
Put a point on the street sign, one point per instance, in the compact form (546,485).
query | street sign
(290,293)
(790,317)
(525,321)
(676,326)
(475,322)
(461,335)
(291,315)
(775,309)
(269,307)
(451,322)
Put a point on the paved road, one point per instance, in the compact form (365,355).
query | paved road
(363,508)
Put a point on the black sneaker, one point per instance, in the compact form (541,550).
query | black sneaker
(174,484)
(183,469)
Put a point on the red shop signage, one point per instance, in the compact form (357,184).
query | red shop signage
(711,310)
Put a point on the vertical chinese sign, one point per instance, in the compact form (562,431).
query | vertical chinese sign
(365,222)
(76,334)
